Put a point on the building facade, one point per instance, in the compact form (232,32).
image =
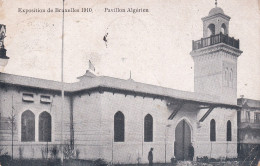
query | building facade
(120,120)
(248,127)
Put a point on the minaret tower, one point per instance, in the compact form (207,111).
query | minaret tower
(215,58)
(3,57)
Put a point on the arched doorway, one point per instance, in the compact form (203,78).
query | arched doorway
(182,140)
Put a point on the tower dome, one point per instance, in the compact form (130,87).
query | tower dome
(215,11)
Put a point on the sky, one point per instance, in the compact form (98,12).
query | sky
(154,46)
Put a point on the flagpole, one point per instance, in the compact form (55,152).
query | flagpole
(62,83)
(12,120)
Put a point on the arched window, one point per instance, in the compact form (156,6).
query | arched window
(28,126)
(212,130)
(148,128)
(119,127)
(45,127)
(229,131)
(211,29)
(226,76)
(223,29)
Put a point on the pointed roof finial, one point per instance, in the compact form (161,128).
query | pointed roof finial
(130,76)
(91,66)
(216,3)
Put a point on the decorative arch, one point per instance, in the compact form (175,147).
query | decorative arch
(183,139)
(212,130)
(148,128)
(226,76)
(28,126)
(119,127)
(188,122)
(231,78)
(45,127)
(211,29)
(229,131)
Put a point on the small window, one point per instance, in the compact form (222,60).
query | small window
(229,131)
(28,97)
(119,127)
(148,128)
(45,99)
(212,130)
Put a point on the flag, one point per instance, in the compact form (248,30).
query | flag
(91,66)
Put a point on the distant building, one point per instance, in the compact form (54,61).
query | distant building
(120,120)
(248,127)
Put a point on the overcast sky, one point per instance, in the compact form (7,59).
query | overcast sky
(155,46)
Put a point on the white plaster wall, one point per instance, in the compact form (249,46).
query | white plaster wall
(94,125)
(31,149)
(221,147)
(134,110)
(209,71)
(208,74)
(229,93)
(87,125)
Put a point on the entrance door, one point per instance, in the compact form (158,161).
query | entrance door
(182,141)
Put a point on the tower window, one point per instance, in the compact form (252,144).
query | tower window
(119,127)
(212,130)
(211,29)
(28,126)
(223,29)
(148,128)
(229,131)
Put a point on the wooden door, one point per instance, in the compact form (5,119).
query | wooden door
(182,141)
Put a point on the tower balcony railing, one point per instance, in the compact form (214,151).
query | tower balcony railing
(215,39)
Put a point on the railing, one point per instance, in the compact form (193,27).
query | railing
(245,120)
(215,39)
(253,123)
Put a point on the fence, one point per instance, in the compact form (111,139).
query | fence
(215,39)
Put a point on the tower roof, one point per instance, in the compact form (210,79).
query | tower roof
(215,11)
